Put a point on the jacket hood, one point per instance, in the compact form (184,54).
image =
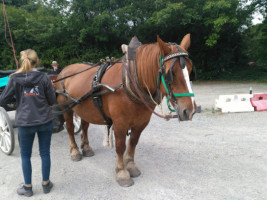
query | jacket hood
(28,78)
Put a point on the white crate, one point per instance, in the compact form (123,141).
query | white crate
(234,103)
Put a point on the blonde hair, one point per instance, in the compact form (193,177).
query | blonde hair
(28,59)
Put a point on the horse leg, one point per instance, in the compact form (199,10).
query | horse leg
(129,155)
(86,149)
(122,175)
(74,150)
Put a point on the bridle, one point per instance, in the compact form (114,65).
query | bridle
(167,78)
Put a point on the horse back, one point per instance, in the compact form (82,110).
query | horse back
(79,84)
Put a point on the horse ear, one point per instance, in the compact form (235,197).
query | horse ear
(164,49)
(186,41)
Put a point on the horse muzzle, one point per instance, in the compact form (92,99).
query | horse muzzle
(184,114)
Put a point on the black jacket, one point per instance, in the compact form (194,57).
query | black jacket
(52,72)
(34,95)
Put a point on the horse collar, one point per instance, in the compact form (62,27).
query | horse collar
(130,61)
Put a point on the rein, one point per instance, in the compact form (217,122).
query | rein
(95,65)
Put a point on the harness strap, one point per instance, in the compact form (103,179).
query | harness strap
(174,55)
(73,102)
(98,104)
(62,104)
(62,78)
(92,66)
(97,100)
(55,112)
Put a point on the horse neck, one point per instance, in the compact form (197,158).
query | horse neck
(147,62)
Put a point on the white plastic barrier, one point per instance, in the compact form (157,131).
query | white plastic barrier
(234,103)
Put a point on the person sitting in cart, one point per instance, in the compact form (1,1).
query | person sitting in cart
(55,70)
(34,96)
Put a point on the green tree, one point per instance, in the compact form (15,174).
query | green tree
(40,29)
(16,3)
(255,39)
(86,30)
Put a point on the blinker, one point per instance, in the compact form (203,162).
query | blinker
(182,62)
(169,75)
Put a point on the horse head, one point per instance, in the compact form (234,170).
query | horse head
(173,79)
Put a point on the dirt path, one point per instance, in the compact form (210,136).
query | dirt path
(215,156)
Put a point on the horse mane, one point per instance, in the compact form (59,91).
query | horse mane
(147,62)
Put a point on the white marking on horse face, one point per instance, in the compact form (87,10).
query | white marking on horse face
(186,77)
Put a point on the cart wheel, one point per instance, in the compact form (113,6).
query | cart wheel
(7,141)
(77,124)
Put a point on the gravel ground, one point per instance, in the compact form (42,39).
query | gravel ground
(214,156)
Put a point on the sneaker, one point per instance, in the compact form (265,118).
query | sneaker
(47,187)
(26,191)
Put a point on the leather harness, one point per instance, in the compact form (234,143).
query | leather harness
(95,93)
(130,84)
(97,99)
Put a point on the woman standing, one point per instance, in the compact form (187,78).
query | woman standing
(34,95)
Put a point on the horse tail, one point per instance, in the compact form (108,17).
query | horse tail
(108,137)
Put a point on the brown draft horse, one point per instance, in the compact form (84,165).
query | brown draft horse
(125,113)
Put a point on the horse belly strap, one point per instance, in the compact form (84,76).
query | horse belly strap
(97,100)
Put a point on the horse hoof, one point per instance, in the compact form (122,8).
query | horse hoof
(133,169)
(123,178)
(88,153)
(76,157)
(134,172)
(125,183)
